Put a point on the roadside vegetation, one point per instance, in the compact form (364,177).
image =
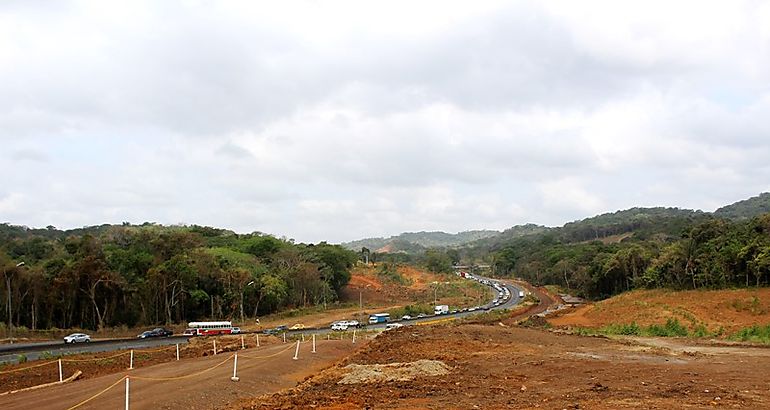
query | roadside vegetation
(114,276)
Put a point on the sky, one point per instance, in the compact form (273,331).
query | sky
(340,120)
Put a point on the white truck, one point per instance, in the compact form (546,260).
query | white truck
(441,310)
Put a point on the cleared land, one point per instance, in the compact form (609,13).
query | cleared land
(269,369)
(492,365)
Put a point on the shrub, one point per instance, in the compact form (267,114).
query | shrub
(631,329)
(22,358)
(672,328)
(753,333)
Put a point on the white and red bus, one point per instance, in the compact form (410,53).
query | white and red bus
(208,328)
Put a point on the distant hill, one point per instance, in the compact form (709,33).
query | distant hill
(638,223)
(746,209)
(510,234)
(409,240)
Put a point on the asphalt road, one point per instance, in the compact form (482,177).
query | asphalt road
(34,351)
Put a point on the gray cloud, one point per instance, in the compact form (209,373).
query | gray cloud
(344,120)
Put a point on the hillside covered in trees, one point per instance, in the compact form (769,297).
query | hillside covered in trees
(642,247)
(150,274)
(418,241)
(635,248)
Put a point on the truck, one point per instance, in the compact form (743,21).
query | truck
(379,318)
(521,293)
(441,309)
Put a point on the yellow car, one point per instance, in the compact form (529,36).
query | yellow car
(298,326)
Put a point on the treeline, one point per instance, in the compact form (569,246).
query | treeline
(150,274)
(707,252)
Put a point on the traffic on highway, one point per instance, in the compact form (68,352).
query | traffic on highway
(506,296)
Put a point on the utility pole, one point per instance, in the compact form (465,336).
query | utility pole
(360,300)
(10,306)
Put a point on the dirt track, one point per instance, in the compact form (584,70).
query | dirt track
(214,388)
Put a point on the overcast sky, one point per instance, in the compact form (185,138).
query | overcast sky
(341,120)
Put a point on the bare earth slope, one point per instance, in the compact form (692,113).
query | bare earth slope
(729,309)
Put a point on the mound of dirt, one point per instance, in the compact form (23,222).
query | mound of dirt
(369,373)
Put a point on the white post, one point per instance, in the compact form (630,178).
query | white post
(235,369)
(257,339)
(131,364)
(296,352)
(354,336)
(243,346)
(303,338)
(60,374)
(177,351)
(126,393)
(284,337)
(313,343)
(215,347)
(328,337)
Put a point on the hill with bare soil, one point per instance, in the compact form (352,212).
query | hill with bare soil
(729,310)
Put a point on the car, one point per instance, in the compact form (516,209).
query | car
(281,328)
(393,326)
(454,311)
(157,332)
(353,323)
(235,330)
(406,317)
(77,338)
(270,331)
(145,334)
(162,332)
(298,326)
(190,332)
(472,309)
(421,315)
(339,326)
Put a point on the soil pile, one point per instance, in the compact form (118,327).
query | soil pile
(368,373)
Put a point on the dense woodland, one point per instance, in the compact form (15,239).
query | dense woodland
(141,275)
(711,253)
(636,248)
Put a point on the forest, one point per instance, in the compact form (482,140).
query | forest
(692,252)
(132,275)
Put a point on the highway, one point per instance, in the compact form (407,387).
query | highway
(34,351)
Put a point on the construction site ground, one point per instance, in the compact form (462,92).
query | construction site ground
(261,370)
(493,365)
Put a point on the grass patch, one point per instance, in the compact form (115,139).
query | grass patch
(753,306)
(672,328)
(388,273)
(411,310)
(756,333)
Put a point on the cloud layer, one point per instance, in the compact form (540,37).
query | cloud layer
(340,120)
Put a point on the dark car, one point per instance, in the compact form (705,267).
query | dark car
(276,330)
(157,332)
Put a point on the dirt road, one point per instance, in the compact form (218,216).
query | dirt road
(258,374)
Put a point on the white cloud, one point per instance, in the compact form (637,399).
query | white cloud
(339,120)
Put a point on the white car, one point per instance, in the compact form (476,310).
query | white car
(236,330)
(77,338)
(353,323)
(393,326)
(340,326)
(406,317)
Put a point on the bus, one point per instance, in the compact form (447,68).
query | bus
(208,328)
(379,318)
